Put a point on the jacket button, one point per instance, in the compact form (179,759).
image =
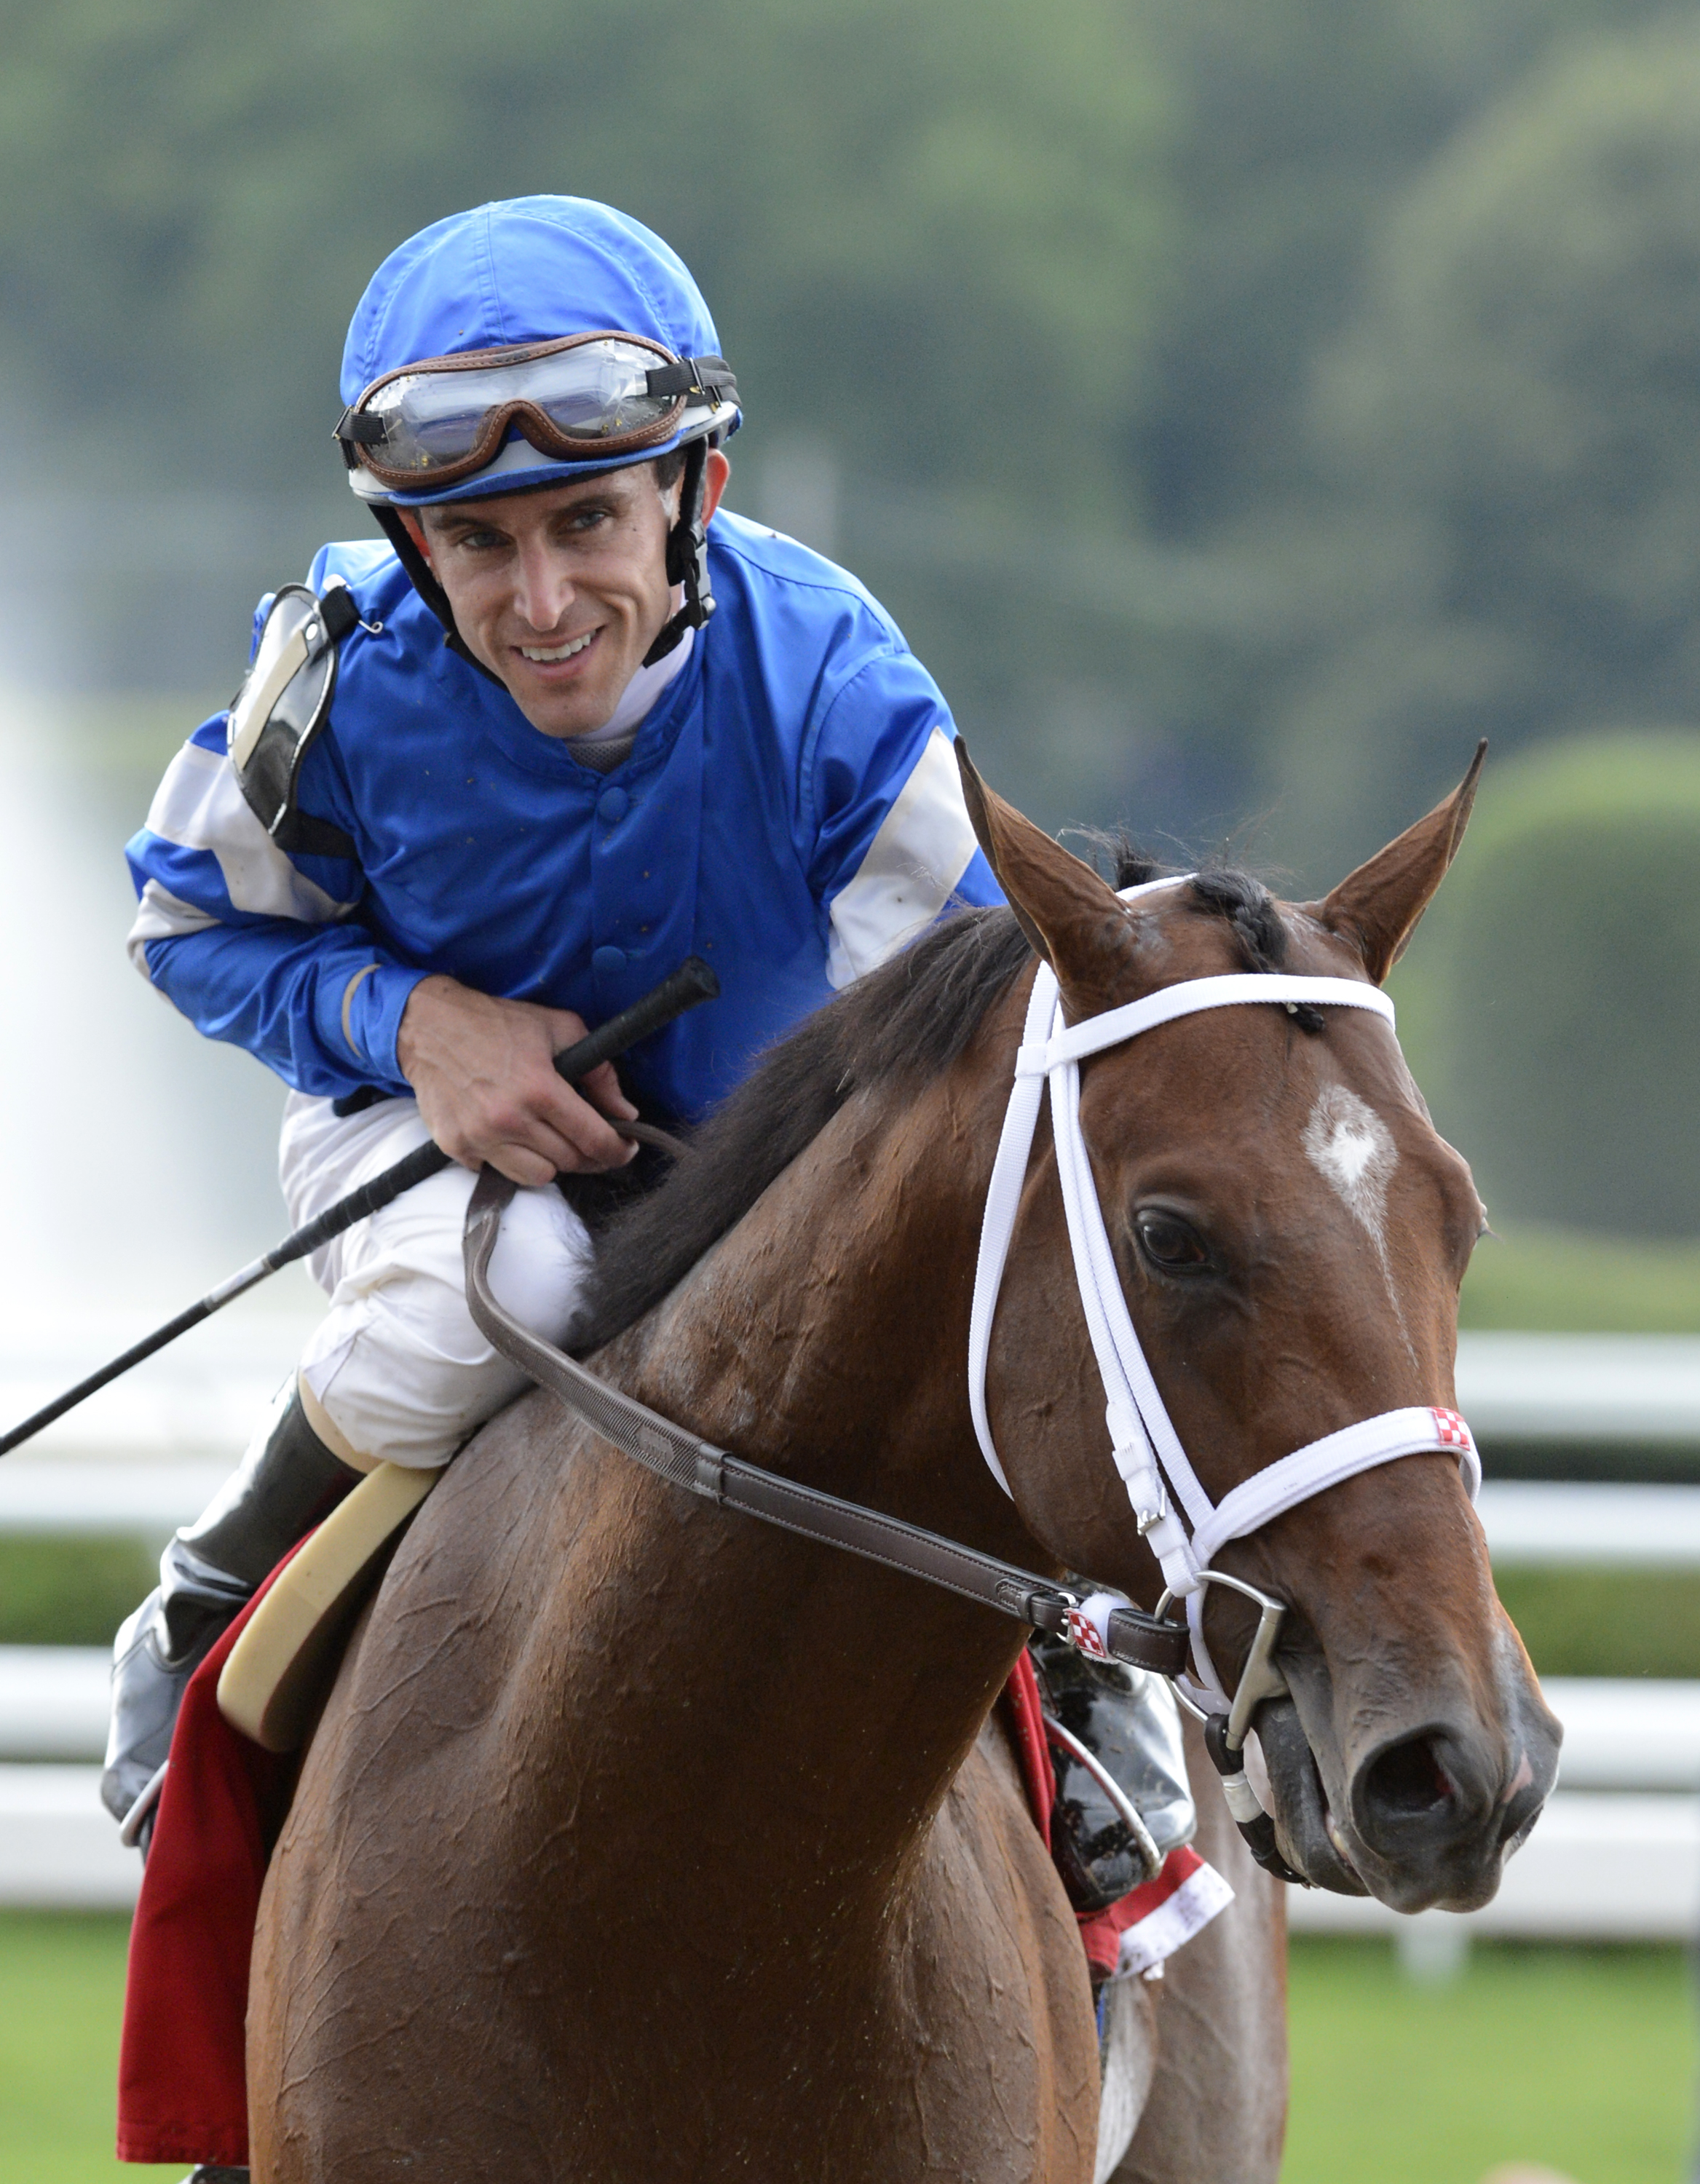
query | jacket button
(607,961)
(612,805)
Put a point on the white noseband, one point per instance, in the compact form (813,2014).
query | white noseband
(1146,1449)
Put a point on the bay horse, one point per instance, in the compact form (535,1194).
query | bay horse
(641,1841)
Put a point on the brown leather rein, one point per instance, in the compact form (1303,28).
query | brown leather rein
(684,1459)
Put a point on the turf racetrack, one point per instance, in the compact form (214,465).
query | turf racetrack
(1581,2060)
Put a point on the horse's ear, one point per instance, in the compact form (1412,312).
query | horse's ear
(1376,908)
(1060,903)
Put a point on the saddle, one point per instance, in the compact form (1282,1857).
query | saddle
(275,1679)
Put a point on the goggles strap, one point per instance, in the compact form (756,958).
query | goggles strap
(694,374)
(358,428)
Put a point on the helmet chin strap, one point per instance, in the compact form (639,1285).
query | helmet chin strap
(687,556)
(686,564)
(394,528)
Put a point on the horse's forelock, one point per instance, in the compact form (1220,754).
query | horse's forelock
(1252,912)
(1246,904)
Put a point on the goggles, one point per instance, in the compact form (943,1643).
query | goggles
(586,397)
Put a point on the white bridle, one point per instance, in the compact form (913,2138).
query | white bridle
(1184,1528)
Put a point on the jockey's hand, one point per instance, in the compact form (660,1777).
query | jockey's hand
(487,1090)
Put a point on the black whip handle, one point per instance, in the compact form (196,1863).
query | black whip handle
(693,982)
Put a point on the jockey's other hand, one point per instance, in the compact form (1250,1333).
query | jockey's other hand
(483,1072)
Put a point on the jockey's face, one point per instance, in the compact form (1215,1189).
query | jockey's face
(561,594)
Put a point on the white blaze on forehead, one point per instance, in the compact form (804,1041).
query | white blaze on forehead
(1348,1143)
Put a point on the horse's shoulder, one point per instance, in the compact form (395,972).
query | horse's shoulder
(992,1769)
(988,1813)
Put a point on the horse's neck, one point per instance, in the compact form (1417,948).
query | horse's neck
(826,1337)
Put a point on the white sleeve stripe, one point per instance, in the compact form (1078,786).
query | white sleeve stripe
(161,916)
(199,807)
(923,849)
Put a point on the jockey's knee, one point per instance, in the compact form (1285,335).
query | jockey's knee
(540,1264)
(398,1365)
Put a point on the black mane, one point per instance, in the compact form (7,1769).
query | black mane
(909,1020)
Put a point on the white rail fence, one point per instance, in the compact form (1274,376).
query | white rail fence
(199,1399)
(1616,1855)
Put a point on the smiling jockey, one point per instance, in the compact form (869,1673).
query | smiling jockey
(489,782)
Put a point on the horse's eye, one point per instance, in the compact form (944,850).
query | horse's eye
(1170,1243)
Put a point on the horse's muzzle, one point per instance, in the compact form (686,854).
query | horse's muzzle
(1439,1816)
(1421,1816)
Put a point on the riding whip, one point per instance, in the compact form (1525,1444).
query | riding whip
(693,982)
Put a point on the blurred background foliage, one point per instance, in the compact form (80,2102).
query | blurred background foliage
(1553,1011)
(1244,404)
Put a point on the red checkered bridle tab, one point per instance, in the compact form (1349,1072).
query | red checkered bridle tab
(1452,1431)
(1083,1635)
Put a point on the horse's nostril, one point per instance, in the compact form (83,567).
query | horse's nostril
(1407,1782)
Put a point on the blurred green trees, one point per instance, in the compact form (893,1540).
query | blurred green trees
(1552,1007)
(1244,404)
(933,234)
(1515,416)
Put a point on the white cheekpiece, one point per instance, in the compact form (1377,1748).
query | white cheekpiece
(397,1362)
(1184,1528)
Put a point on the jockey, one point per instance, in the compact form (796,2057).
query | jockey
(567,723)
(487,781)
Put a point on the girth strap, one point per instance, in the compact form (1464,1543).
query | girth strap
(684,1459)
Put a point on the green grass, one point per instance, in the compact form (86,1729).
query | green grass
(61,1995)
(1581,2060)
(70,1592)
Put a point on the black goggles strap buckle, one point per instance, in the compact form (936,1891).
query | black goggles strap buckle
(711,376)
(361,428)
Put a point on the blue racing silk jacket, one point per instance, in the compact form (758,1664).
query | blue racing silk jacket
(790,812)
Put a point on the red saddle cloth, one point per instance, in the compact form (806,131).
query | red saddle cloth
(182,2063)
(183,2082)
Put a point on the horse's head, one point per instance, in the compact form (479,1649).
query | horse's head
(1290,1232)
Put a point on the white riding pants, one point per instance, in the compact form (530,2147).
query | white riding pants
(397,1362)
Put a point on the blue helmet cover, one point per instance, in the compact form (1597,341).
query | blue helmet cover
(523,269)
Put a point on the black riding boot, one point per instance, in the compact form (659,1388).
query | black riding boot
(1127,1719)
(286,1483)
